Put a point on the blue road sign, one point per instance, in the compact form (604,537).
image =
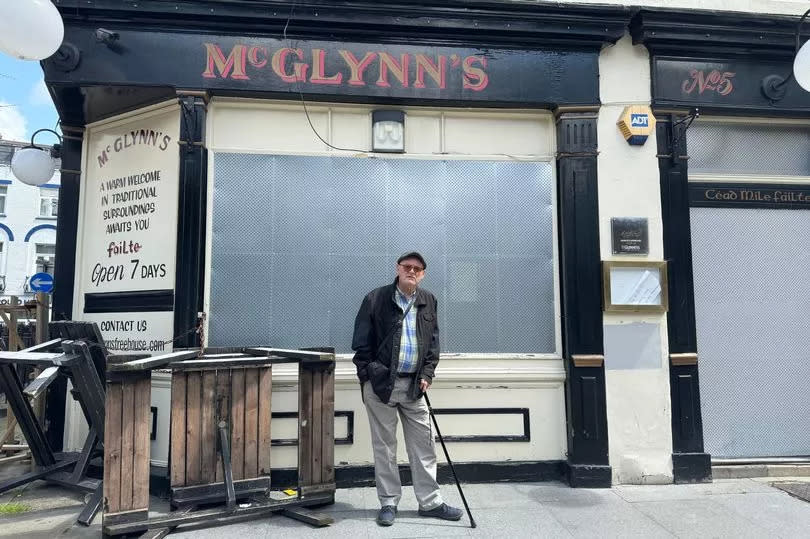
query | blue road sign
(41,282)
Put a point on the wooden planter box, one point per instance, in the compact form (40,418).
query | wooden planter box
(220,436)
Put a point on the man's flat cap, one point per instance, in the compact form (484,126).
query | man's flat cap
(413,254)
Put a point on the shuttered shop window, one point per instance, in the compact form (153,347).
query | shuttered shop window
(735,148)
(298,241)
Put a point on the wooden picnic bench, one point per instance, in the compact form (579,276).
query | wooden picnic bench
(78,354)
(220,437)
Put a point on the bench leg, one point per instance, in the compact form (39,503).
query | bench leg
(225,449)
(84,457)
(41,473)
(91,507)
(10,385)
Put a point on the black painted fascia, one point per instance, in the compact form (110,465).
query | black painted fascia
(714,34)
(471,22)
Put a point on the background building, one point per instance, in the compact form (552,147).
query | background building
(28,217)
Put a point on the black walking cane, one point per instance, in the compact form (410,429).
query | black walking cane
(450,462)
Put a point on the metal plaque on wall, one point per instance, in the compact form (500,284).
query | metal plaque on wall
(629,235)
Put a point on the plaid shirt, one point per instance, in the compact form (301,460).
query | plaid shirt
(408,346)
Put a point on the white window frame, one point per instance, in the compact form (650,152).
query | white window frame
(3,198)
(49,194)
(49,256)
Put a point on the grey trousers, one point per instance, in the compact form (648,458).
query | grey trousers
(418,442)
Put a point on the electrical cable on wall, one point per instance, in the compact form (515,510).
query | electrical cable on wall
(309,119)
(301,93)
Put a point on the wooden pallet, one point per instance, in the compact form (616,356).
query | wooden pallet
(220,438)
(201,399)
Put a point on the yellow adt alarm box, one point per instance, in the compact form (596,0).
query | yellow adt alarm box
(636,123)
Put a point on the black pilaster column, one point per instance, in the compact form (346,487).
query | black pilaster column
(580,264)
(191,213)
(64,271)
(689,461)
(67,223)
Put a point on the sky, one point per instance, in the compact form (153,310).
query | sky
(25,104)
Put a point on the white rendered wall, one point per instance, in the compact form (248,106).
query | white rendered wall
(637,377)
(784,7)
(17,262)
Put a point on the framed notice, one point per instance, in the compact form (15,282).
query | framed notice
(635,286)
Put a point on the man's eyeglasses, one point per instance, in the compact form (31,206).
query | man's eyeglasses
(411,268)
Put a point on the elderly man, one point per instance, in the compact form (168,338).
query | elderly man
(396,344)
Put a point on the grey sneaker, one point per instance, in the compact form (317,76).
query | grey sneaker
(386,515)
(444,512)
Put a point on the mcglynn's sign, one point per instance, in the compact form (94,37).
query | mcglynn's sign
(404,71)
(388,70)
(344,67)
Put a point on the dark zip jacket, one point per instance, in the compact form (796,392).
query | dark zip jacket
(377,334)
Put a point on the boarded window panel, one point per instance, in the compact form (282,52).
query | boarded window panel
(751,311)
(310,236)
(730,148)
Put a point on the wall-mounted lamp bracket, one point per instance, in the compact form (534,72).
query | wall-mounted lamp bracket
(66,58)
(56,149)
(693,115)
(774,87)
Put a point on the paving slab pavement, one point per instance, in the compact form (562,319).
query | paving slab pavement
(733,508)
(725,508)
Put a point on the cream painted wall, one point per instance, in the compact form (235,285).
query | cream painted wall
(638,400)
(459,384)
(784,7)
(533,381)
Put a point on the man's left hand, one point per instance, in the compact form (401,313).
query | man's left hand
(424,385)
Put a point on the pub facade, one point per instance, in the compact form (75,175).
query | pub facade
(242,174)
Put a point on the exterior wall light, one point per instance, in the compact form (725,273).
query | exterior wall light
(33,165)
(774,86)
(30,29)
(388,131)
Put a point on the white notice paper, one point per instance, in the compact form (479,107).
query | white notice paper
(635,286)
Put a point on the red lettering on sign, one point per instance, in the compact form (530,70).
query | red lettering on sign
(399,69)
(475,78)
(436,72)
(253,57)
(357,67)
(318,77)
(279,62)
(417,69)
(216,60)
(715,81)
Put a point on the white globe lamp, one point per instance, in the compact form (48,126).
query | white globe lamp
(33,165)
(801,66)
(30,29)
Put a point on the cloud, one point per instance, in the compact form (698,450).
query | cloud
(12,123)
(39,94)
